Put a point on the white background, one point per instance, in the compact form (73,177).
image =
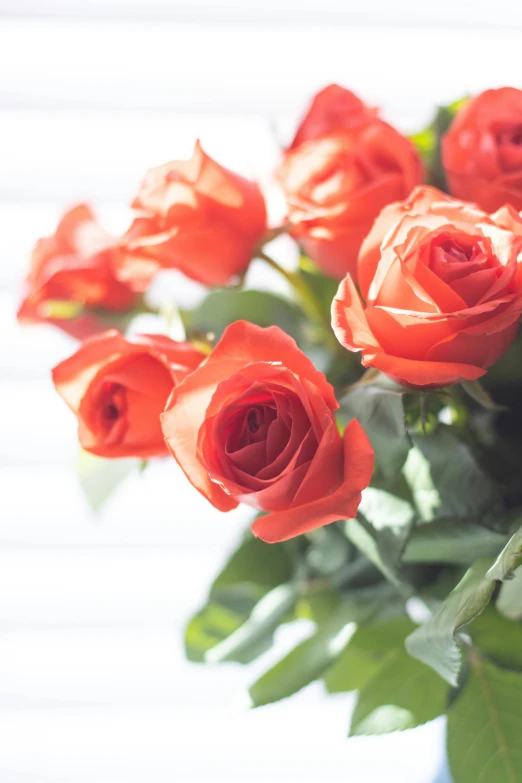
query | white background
(93,685)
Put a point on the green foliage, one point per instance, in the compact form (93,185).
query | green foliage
(309,659)
(428,142)
(434,642)
(401,694)
(485,725)
(371,643)
(445,479)
(222,307)
(451,541)
(381,414)
(253,570)
(381,530)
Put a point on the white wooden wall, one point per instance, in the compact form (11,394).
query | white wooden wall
(93,685)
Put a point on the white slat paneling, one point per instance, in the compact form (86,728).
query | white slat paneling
(445,13)
(257,69)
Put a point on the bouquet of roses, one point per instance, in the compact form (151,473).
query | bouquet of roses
(385,477)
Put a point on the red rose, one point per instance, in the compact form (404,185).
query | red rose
(118,390)
(336,186)
(255,424)
(196,216)
(482,151)
(446,294)
(75,265)
(331,109)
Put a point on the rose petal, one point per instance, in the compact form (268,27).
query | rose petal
(340,504)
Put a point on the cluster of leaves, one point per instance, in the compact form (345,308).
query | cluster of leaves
(432,520)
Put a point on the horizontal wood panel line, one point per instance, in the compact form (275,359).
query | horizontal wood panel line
(182,66)
(445,13)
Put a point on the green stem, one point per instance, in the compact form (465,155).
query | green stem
(306,297)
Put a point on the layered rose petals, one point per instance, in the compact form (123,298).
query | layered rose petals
(336,186)
(255,424)
(118,390)
(74,267)
(195,216)
(443,292)
(482,151)
(332,108)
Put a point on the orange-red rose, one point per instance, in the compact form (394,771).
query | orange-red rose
(482,151)
(445,292)
(75,265)
(255,423)
(336,186)
(118,389)
(331,109)
(195,216)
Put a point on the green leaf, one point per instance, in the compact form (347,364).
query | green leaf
(365,653)
(381,530)
(499,638)
(381,414)
(304,664)
(100,477)
(255,562)
(509,602)
(428,142)
(485,725)
(309,659)
(445,479)
(252,570)
(267,614)
(402,694)
(451,541)
(324,288)
(352,669)
(221,308)
(434,642)
(478,393)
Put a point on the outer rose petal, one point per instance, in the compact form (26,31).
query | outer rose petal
(349,320)
(242,343)
(331,108)
(410,372)
(198,217)
(147,368)
(341,504)
(351,328)
(72,376)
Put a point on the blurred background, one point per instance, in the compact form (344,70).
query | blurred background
(93,682)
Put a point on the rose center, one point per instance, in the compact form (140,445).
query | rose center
(456,252)
(511,136)
(253,420)
(111,405)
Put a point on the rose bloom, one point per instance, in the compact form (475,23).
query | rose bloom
(482,151)
(118,389)
(255,424)
(75,265)
(445,292)
(195,216)
(336,186)
(331,109)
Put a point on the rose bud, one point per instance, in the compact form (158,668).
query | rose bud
(445,298)
(482,151)
(195,216)
(118,389)
(336,186)
(255,424)
(331,109)
(74,266)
